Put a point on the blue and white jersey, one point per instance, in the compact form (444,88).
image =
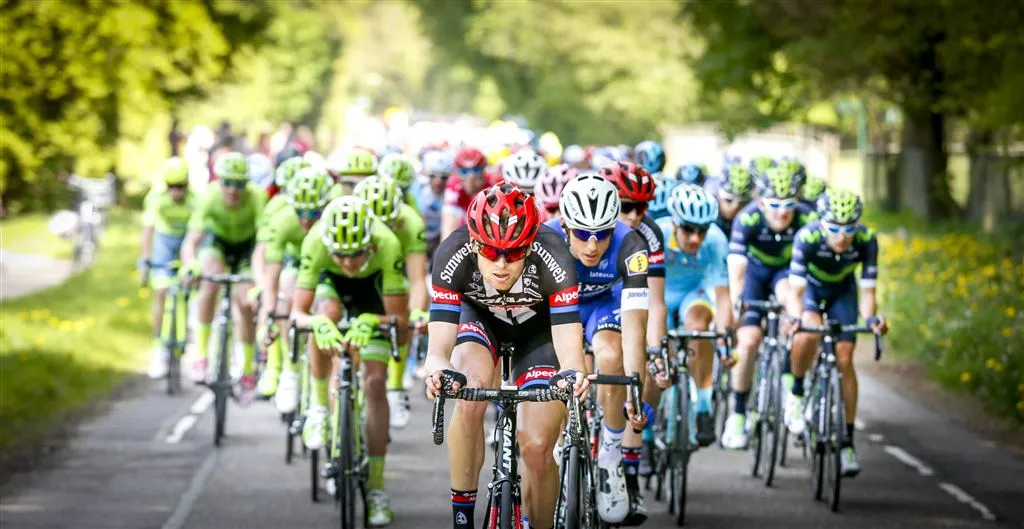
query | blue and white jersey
(687,272)
(623,269)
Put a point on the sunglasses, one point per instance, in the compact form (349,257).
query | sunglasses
(694,229)
(464,172)
(177,186)
(511,254)
(355,255)
(629,207)
(308,213)
(777,204)
(439,175)
(236,184)
(585,235)
(552,210)
(836,229)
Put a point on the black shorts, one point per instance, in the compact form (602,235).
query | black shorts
(533,360)
(236,255)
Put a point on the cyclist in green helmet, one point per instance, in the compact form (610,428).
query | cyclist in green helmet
(166,210)
(822,274)
(733,189)
(384,198)
(350,166)
(221,236)
(305,198)
(400,169)
(813,188)
(351,260)
(282,176)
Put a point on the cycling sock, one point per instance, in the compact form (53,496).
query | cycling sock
(704,400)
(798,386)
(248,352)
(611,445)
(319,395)
(396,370)
(787,381)
(739,405)
(631,466)
(202,340)
(463,504)
(375,480)
(849,435)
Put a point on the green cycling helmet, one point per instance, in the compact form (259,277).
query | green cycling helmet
(232,166)
(347,225)
(288,169)
(309,189)
(813,188)
(174,172)
(839,206)
(784,180)
(736,180)
(398,167)
(760,164)
(354,162)
(382,195)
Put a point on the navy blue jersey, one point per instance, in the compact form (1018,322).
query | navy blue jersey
(623,267)
(814,261)
(753,238)
(651,232)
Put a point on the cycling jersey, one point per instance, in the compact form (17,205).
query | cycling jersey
(165,215)
(276,204)
(283,235)
(829,275)
(692,278)
(545,295)
(409,229)
(430,210)
(234,225)
(652,234)
(457,200)
(712,185)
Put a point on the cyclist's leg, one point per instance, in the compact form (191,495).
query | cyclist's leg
(843,307)
(474,357)
(748,338)
(613,497)
(697,315)
(211,261)
(165,250)
(782,290)
(314,430)
(802,356)
(540,424)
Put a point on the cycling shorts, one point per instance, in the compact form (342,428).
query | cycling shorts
(166,249)
(679,303)
(236,256)
(358,296)
(602,313)
(839,302)
(533,361)
(759,286)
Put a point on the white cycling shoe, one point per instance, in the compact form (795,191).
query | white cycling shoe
(287,396)
(794,414)
(158,363)
(734,437)
(612,497)
(314,429)
(399,410)
(849,463)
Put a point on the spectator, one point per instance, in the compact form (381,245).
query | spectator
(175,138)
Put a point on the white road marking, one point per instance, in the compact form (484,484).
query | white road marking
(909,460)
(876,437)
(859,425)
(202,403)
(188,499)
(187,421)
(967,499)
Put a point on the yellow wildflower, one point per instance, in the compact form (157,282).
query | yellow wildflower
(1007,332)
(143,293)
(38,341)
(989,271)
(965,377)
(1010,312)
(122,302)
(1020,406)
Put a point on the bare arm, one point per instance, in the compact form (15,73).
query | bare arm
(416,267)
(868,305)
(634,347)
(190,248)
(737,275)
(440,345)
(259,262)
(568,342)
(723,309)
(270,282)
(657,313)
(301,302)
(147,242)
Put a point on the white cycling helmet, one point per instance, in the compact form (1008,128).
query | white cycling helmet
(438,162)
(589,202)
(261,170)
(314,158)
(692,204)
(523,168)
(574,155)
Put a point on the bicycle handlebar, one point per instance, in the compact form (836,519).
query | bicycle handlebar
(390,327)
(767,305)
(835,329)
(224,279)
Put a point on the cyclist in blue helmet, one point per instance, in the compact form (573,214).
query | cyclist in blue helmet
(651,156)
(691,173)
(658,206)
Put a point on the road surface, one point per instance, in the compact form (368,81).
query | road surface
(23,274)
(149,463)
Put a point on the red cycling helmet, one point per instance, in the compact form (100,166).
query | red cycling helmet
(504,217)
(470,158)
(634,182)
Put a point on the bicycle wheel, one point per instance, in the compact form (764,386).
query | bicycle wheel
(568,510)
(817,438)
(506,509)
(837,423)
(679,451)
(172,343)
(289,437)
(720,398)
(758,418)
(314,475)
(771,423)
(345,478)
(221,387)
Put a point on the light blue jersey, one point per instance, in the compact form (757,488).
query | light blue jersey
(692,278)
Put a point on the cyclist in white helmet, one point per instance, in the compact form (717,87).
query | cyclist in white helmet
(523,169)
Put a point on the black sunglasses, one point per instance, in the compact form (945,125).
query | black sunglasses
(694,229)
(639,207)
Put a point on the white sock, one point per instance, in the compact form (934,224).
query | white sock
(610,452)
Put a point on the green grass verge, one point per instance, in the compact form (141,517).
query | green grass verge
(61,348)
(28,234)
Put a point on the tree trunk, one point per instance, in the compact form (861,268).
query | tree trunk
(982,167)
(923,161)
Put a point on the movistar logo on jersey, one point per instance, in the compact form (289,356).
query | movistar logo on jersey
(751,218)
(810,236)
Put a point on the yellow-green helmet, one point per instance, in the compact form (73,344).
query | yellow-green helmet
(287,170)
(783,180)
(232,167)
(347,225)
(174,172)
(736,178)
(382,195)
(839,206)
(398,167)
(354,162)
(309,189)
(813,188)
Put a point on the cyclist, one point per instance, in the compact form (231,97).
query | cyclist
(470,165)
(222,235)
(384,198)
(523,169)
(437,166)
(825,256)
(813,189)
(261,172)
(698,286)
(281,237)
(349,166)
(284,173)
(351,260)
(651,156)
(576,157)
(399,168)
(549,188)
(733,189)
(167,208)
(612,264)
(657,208)
(759,252)
(504,278)
(692,173)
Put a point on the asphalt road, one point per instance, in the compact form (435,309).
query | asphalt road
(23,274)
(138,467)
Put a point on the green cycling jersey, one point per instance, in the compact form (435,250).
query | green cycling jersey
(234,225)
(283,235)
(385,259)
(410,230)
(410,198)
(164,214)
(276,204)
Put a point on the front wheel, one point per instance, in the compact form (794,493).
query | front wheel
(833,466)
(345,480)
(568,509)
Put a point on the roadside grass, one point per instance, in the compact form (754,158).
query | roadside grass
(29,234)
(63,347)
(955,302)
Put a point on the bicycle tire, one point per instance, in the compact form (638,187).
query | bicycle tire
(571,474)
(772,423)
(314,475)
(289,438)
(221,387)
(345,480)
(836,419)
(818,443)
(171,343)
(506,509)
(679,457)
(723,384)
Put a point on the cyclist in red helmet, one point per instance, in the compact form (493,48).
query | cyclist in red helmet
(504,278)
(470,177)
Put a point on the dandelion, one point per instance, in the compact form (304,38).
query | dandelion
(143,293)
(990,363)
(1010,312)
(1020,388)
(53,321)
(122,302)
(1020,406)
(38,341)
(965,377)
(1007,332)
